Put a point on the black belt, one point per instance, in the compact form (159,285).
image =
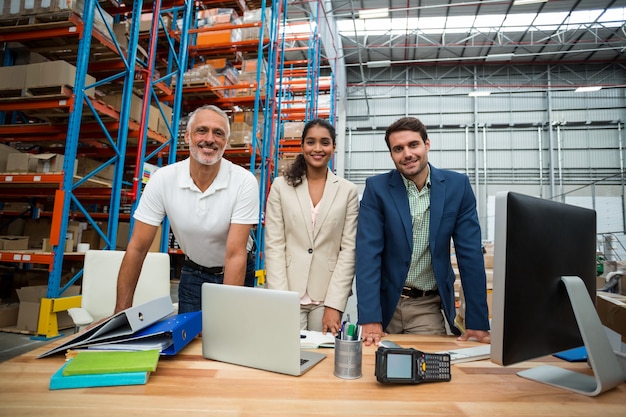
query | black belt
(410,292)
(214,270)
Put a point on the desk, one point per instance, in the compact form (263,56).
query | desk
(189,385)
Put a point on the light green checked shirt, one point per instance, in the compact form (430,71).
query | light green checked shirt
(420,275)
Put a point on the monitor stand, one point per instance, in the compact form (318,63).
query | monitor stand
(607,370)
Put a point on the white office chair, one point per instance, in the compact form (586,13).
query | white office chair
(100,284)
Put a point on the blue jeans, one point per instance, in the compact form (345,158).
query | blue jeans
(191,280)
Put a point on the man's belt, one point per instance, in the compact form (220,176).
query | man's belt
(410,292)
(214,270)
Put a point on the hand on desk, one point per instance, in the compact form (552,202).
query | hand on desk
(372,333)
(481,336)
(331,321)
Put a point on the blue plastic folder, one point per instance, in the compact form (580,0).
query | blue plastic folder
(168,335)
(58,381)
(578,354)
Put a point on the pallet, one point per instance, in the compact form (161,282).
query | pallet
(14,329)
(32,21)
(238,146)
(57,91)
(50,91)
(12,93)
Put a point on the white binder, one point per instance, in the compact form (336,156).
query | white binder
(122,324)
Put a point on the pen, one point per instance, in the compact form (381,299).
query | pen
(350,335)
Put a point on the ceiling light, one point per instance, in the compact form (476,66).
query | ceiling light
(522,2)
(373,13)
(479,93)
(378,64)
(500,57)
(588,89)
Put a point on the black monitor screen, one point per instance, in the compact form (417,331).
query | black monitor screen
(536,243)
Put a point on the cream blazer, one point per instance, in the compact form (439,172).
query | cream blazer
(321,261)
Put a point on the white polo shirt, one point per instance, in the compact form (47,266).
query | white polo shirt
(200,220)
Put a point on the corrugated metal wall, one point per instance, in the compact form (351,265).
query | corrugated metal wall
(533,134)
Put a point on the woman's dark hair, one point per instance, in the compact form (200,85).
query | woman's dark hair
(298,169)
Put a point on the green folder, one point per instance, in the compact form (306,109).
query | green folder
(109,362)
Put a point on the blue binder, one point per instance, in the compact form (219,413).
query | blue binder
(169,335)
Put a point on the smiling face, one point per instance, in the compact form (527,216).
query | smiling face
(207,136)
(317,147)
(410,155)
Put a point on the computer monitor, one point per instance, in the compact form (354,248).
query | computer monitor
(543,285)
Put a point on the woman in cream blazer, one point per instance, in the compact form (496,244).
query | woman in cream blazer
(310,232)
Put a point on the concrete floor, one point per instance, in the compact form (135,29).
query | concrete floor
(15,344)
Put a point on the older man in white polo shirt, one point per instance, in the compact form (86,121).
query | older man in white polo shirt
(211,205)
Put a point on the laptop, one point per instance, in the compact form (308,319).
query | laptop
(255,327)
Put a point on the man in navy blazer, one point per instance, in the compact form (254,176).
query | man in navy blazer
(403,243)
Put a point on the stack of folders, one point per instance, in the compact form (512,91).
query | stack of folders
(105,369)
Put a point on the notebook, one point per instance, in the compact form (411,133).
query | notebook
(255,327)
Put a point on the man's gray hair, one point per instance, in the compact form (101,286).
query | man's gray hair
(212,108)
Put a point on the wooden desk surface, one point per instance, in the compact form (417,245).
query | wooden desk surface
(189,385)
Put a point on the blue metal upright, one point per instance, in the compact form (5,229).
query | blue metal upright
(270,118)
(65,194)
(178,54)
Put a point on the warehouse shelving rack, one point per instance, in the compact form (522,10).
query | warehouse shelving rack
(68,191)
(134,139)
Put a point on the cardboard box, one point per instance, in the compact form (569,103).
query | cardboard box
(30,302)
(240,133)
(54,74)
(488,261)
(123,230)
(20,163)
(285,163)
(13,242)
(293,130)
(8,314)
(5,151)
(136,103)
(86,165)
(92,237)
(612,312)
(12,77)
(162,122)
(37,230)
(48,162)
(215,37)
(16,227)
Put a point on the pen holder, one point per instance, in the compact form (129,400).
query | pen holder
(348,358)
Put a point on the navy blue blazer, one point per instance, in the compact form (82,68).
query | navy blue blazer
(385,241)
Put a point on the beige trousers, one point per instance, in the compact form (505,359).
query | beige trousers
(421,315)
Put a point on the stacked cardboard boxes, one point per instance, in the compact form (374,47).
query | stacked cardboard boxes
(30,304)
(40,76)
(13,242)
(156,121)
(240,134)
(254,16)
(14,9)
